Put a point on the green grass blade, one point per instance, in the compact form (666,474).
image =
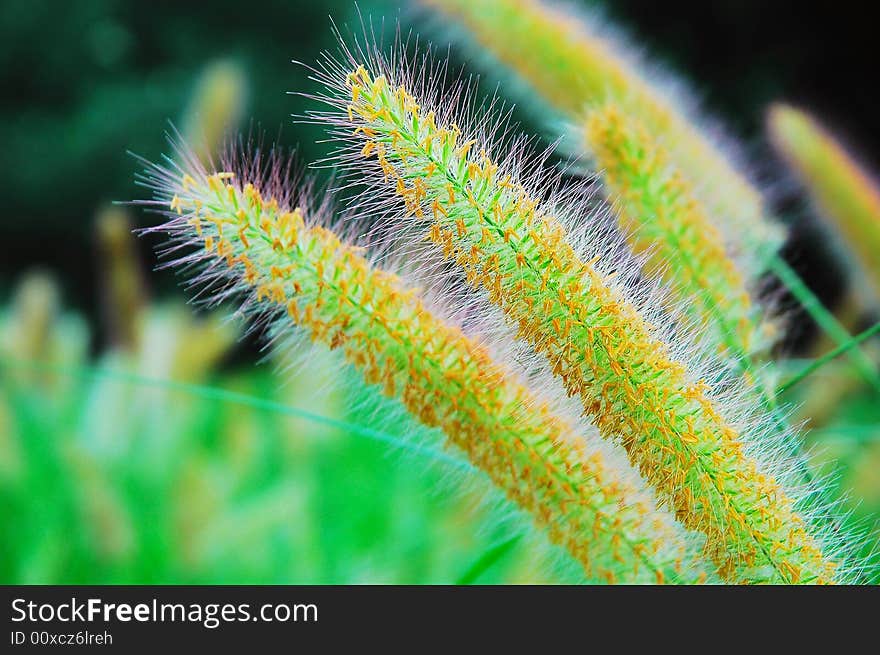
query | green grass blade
(824,319)
(488,559)
(844,347)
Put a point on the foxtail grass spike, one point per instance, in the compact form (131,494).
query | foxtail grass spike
(125,296)
(216,107)
(657,209)
(35,329)
(254,236)
(425,157)
(35,309)
(846,194)
(573,62)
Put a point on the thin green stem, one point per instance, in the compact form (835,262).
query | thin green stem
(824,319)
(827,357)
(226,395)
(848,434)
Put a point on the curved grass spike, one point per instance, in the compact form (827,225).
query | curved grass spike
(660,215)
(286,263)
(571,311)
(572,65)
(845,193)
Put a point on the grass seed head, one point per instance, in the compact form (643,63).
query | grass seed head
(253,235)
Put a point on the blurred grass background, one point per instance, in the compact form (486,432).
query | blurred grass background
(108,473)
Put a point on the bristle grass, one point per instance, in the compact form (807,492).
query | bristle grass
(254,237)
(216,107)
(420,154)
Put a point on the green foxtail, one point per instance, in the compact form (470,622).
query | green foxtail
(249,233)
(658,210)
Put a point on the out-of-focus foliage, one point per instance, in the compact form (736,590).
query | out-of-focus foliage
(85,82)
(107,476)
(847,196)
